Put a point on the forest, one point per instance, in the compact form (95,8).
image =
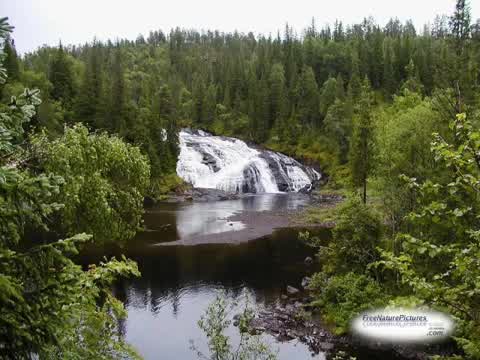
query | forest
(391,114)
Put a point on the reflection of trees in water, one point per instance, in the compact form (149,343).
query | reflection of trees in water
(175,303)
(202,218)
(264,266)
(120,292)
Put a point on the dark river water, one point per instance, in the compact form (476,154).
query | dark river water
(178,281)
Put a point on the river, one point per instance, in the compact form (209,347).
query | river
(182,272)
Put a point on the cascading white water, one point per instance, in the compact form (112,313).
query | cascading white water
(229,164)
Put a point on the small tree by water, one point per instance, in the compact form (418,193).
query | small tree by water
(214,323)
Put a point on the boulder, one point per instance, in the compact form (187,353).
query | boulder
(306,281)
(292,290)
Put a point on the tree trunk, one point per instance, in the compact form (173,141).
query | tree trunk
(365,190)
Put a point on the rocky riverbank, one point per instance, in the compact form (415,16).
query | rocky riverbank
(293,318)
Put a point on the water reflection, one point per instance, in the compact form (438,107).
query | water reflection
(179,282)
(171,222)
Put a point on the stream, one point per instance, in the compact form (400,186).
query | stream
(182,276)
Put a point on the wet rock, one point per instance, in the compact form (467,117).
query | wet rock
(306,189)
(210,161)
(206,195)
(326,346)
(148,201)
(282,316)
(306,281)
(256,328)
(292,290)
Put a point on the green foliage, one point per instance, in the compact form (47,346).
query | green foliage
(105,180)
(307,95)
(281,91)
(338,126)
(342,297)
(438,257)
(215,322)
(362,142)
(404,133)
(89,327)
(264,90)
(61,75)
(10,61)
(160,187)
(51,308)
(356,235)
(90,104)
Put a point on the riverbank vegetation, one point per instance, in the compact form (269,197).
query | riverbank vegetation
(414,240)
(390,113)
(51,194)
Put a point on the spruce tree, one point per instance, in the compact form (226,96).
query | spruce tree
(460,23)
(340,87)
(198,95)
(210,105)
(361,149)
(117,113)
(10,61)
(61,76)
(277,95)
(308,98)
(90,104)
(389,81)
(327,95)
(355,83)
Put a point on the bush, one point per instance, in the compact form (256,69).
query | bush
(161,186)
(105,180)
(342,297)
(356,236)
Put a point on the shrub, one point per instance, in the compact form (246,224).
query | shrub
(356,236)
(342,297)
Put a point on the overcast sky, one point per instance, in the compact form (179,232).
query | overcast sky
(39,22)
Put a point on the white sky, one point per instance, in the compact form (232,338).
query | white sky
(39,22)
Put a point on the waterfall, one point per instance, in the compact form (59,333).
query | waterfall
(229,164)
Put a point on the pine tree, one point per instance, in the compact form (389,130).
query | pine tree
(277,95)
(389,81)
(198,95)
(307,98)
(164,130)
(117,112)
(10,62)
(262,111)
(355,83)
(413,82)
(327,95)
(338,127)
(61,75)
(361,149)
(166,109)
(340,88)
(90,105)
(460,23)
(210,105)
